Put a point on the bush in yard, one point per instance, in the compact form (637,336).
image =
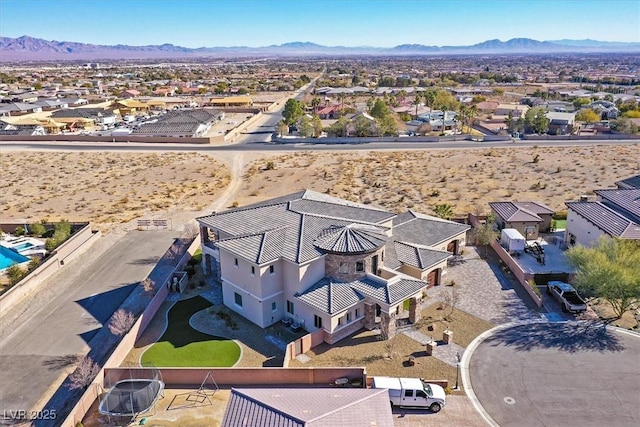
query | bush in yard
(15,273)
(38,229)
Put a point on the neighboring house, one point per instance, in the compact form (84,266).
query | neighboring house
(231,101)
(518,110)
(190,123)
(19,108)
(329,112)
(52,104)
(98,116)
(606,109)
(129,93)
(487,106)
(326,263)
(615,213)
(529,218)
(18,130)
(560,123)
(308,407)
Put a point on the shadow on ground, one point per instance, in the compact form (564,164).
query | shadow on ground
(569,337)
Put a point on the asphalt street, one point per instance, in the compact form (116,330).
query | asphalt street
(558,374)
(43,344)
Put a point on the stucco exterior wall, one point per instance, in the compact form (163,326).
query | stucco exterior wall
(585,232)
(251,308)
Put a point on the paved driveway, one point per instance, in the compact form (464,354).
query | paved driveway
(558,374)
(42,344)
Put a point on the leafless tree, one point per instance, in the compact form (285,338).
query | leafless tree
(84,374)
(147,287)
(173,255)
(121,321)
(450,298)
(191,231)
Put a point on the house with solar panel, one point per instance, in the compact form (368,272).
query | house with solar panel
(323,263)
(614,213)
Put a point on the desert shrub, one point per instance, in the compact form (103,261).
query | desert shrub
(560,215)
(20,231)
(15,273)
(38,229)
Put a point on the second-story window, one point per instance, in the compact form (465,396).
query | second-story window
(253,270)
(360,266)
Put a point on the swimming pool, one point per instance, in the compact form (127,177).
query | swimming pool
(9,257)
(23,246)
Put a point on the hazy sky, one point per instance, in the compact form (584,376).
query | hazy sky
(382,23)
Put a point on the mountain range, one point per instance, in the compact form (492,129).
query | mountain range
(28,48)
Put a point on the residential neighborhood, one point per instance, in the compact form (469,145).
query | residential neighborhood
(319,213)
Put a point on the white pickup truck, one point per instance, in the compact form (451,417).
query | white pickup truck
(567,296)
(412,392)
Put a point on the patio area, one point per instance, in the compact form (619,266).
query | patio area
(554,256)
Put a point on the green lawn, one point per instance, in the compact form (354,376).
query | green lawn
(182,346)
(561,224)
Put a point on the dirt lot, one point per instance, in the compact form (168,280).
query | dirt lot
(113,188)
(466,179)
(106,188)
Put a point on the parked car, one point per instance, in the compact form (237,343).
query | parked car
(412,392)
(567,296)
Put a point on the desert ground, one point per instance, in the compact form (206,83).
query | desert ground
(465,179)
(112,189)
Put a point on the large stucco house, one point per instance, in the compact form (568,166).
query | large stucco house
(614,213)
(326,263)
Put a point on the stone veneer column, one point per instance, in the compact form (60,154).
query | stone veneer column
(369,316)
(388,321)
(414,310)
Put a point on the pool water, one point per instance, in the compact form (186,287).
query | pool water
(9,257)
(23,246)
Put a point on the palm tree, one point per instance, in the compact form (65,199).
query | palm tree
(429,98)
(315,102)
(417,101)
(473,113)
(464,111)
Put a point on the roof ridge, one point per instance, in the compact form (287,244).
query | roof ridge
(247,208)
(347,405)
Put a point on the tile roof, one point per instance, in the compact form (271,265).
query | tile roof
(606,219)
(340,211)
(419,256)
(352,238)
(520,211)
(302,217)
(416,228)
(329,296)
(311,407)
(626,202)
(388,293)
(631,182)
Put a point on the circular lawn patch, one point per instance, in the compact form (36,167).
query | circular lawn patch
(183,346)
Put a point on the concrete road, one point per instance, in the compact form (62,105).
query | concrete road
(41,346)
(558,374)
